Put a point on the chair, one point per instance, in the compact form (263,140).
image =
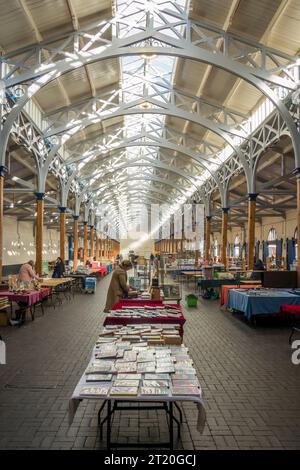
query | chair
(37,304)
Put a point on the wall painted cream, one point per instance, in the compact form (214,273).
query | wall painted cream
(285,228)
(19,242)
(135,241)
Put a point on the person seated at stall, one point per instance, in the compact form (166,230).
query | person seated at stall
(118,287)
(59,268)
(26,272)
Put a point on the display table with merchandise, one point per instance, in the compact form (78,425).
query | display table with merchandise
(98,270)
(58,287)
(131,302)
(260,302)
(54,282)
(28,299)
(127,373)
(122,313)
(292,313)
(225,290)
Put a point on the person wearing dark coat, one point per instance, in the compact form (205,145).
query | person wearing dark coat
(118,287)
(59,268)
(257,272)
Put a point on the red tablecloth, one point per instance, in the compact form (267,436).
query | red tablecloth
(101,269)
(290,310)
(225,290)
(137,302)
(175,320)
(29,298)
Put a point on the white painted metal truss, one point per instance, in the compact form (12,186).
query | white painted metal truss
(148,29)
(147,95)
(269,132)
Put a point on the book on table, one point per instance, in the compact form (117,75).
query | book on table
(185,390)
(123,391)
(157,376)
(98,377)
(94,391)
(155,383)
(154,391)
(146,367)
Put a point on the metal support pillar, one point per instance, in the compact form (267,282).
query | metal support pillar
(85,243)
(92,241)
(3,171)
(224,235)
(207,237)
(62,232)
(75,232)
(39,233)
(251,229)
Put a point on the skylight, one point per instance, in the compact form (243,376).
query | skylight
(138,75)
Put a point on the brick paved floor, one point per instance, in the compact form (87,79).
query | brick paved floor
(251,389)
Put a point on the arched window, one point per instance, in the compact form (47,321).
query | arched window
(237,246)
(296,242)
(272,236)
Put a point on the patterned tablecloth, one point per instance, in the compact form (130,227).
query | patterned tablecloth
(29,298)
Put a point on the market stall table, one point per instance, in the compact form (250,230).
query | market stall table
(29,299)
(150,391)
(54,282)
(192,275)
(139,301)
(186,274)
(291,312)
(100,270)
(56,286)
(225,289)
(127,319)
(261,301)
(214,283)
(250,282)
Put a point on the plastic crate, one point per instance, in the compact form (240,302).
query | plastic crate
(191,300)
(90,285)
(90,282)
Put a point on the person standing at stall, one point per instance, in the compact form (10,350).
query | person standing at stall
(118,287)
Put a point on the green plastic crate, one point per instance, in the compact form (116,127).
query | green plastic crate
(191,300)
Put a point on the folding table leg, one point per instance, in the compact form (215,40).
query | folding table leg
(31,309)
(179,410)
(171,424)
(108,424)
(100,410)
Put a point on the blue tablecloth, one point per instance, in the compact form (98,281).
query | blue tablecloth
(261,302)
